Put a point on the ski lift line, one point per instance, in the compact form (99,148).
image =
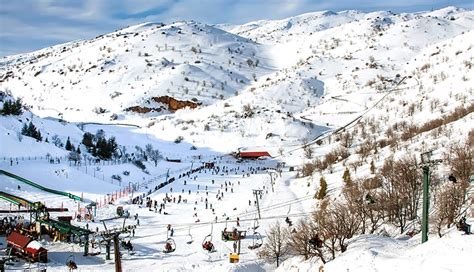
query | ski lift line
(354,121)
(285,203)
(193,225)
(278,205)
(245,214)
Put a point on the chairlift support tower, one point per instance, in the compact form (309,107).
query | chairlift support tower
(258,193)
(426,162)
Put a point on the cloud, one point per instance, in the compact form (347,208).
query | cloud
(33,24)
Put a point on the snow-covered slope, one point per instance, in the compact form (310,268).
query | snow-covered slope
(108,74)
(379,253)
(378,77)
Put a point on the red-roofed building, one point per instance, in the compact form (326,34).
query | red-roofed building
(253,154)
(18,240)
(26,247)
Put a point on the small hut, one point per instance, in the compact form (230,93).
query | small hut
(25,247)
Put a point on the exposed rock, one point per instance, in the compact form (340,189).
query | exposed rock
(168,103)
(174,104)
(139,109)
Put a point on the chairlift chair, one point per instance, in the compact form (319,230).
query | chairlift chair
(71,262)
(207,244)
(316,242)
(42,267)
(170,246)
(191,240)
(257,241)
(10,258)
(95,247)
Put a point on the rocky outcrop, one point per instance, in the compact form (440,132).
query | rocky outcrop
(169,103)
(139,109)
(174,104)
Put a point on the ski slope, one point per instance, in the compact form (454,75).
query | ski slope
(319,75)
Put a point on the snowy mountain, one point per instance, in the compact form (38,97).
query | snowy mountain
(347,89)
(184,60)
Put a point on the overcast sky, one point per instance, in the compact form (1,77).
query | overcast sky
(27,25)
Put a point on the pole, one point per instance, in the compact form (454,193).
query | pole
(424,222)
(238,246)
(86,245)
(118,262)
(107,250)
(271,181)
(256,193)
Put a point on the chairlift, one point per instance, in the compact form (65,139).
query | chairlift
(191,240)
(127,245)
(42,267)
(255,224)
(257,241)
(95,249)
(9,260)
(316,242)
(233,235)
(71,262)
(207,244)
(170,246)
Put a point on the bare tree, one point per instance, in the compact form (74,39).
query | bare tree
(308,151)
(346,224)
(148,149)
(299,241)
(347,139)
(366,204)
(276,247)
(448,205)
(460,160)
(74,156)
(155,156)
(401,189)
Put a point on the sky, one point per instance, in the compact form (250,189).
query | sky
(28,25)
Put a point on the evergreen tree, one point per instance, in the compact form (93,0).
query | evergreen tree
(372,167)
(24,130)
(111,147)
(347,177)
(17,108)
(101,148)
(31,131)
(323,187)
(78,150)
(11,107)
(87,140)
(6,108)
(69,146)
